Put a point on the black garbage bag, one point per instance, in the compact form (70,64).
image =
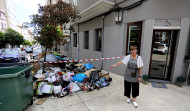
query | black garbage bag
(79,70)
(70,67)
(95,76)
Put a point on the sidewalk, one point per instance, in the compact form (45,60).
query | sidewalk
(111,99)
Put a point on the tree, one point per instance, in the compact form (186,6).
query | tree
(46,22)
(13,37)
(2,39)
(26,42)
(33,42)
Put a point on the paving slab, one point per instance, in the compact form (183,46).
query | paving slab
(112,98)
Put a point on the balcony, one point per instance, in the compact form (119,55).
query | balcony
(96,9)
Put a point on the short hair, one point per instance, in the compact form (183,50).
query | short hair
(133,47)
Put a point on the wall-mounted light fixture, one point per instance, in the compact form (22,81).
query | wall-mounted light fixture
(119,17)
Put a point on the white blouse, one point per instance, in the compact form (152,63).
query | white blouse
(139,61)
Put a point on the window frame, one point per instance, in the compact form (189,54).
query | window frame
(187,50)
(96,40)
(127,40)
(86,40)
(75,40)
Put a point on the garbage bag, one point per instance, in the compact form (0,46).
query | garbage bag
(40,76)
(64,83)
(52,79)
(74,87)
(79,77)
(70,67)
(88,66)
(57,89)
(67,77)
(104,84)
(65,92)
(94,76)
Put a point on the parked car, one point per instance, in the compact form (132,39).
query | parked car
(2,51)
(10,55)
(29,49)
(36,53)
(160,47)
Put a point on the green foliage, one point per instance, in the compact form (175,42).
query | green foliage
(33,42)
(49,35)
(46,22)
(2,37)
(26,42)
(13,37)
(48,18)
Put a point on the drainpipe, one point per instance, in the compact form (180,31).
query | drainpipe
(102,43)
(70,48)
(78,46)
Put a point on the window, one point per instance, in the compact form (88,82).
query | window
(75,40)
(187,53)
(98,39)
(134,31)
(2,25)
(86,40)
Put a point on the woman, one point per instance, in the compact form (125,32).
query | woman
(133,74)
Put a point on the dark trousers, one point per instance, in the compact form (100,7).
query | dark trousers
(130,85)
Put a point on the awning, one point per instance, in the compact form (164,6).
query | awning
(96,9)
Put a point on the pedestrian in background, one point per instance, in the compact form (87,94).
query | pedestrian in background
(132,75)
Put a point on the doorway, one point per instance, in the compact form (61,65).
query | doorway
(162,55)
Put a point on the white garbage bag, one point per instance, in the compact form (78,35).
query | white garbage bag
(57,89)
(74,87)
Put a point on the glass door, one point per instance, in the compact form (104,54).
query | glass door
(163,47)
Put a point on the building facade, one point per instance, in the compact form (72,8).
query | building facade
(9,7)
(3,21)
(65,46)
(159,28)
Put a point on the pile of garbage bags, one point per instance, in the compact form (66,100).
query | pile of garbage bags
(72,78)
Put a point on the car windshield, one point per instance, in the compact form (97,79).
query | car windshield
(11,52)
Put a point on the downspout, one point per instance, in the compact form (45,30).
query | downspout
(102,63)
(70,48)
(78,46)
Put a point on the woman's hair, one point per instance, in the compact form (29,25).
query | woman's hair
(133,47)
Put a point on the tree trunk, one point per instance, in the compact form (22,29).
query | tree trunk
(44,59)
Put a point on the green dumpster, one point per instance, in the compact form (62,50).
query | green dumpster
(16,88)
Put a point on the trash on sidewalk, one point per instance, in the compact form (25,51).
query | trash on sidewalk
(73,77)
(41,101)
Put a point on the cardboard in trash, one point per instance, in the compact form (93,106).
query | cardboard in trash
(36,88)
(41,101)
(47,89)
(79,65)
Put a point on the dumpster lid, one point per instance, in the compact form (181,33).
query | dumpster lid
(13,71)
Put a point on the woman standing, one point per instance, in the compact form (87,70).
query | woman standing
(133,74)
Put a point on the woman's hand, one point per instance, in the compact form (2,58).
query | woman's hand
(112,66)
(139,79)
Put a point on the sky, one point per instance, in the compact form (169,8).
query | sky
(25,8)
